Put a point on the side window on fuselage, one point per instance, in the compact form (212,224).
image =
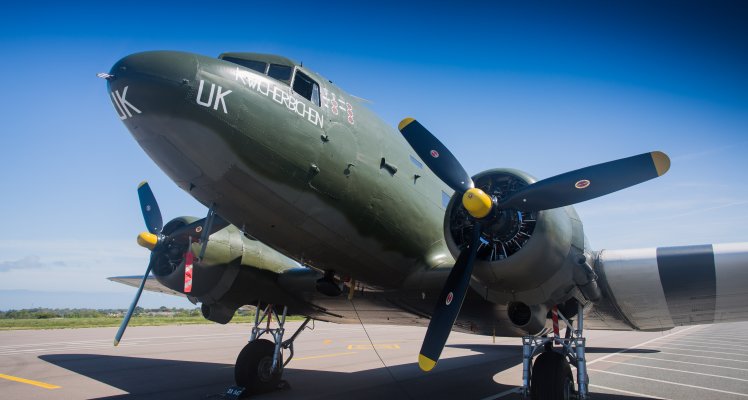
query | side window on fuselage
(306,87)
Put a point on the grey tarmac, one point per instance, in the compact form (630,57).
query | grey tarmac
(339,362)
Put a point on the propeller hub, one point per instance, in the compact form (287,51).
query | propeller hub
(147,240)
(477,202)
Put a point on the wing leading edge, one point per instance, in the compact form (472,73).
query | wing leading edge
(151,284)
(660,288)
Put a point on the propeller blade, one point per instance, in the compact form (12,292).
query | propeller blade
(449,304)
(134,304)
(148,205)
(438,158)
(588,183)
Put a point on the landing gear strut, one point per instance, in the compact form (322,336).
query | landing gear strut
(550,377)
(259,366)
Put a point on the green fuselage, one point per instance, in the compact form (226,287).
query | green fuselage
(330,185)
(294,161)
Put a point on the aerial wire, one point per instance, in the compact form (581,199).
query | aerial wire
(371,342)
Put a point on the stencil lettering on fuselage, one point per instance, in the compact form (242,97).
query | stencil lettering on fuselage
(337,105)
(219,97)
(280,96)
(122,105)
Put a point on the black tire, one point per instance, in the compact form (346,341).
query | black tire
(551,378)
(252,368)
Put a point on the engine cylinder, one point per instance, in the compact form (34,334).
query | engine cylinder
(524,256)
(505,231)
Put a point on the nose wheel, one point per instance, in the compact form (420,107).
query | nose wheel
(259,366)
(549,376)
(254,367)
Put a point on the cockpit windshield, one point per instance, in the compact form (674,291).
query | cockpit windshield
(280,69)
(280,72)
(258,66)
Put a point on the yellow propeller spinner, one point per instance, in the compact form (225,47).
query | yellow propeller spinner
(477,202)
(147,240)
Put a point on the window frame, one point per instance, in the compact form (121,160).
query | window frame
(297,71)
(290,78)
(237,60)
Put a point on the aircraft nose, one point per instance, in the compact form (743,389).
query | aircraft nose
(169,66)
(150,82)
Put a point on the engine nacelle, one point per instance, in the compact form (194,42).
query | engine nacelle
(227,252)
(527,257)
(531,319)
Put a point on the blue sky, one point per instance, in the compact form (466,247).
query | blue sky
(545,88)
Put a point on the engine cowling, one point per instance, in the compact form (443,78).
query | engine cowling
(526,257)
(230,259)
(506,232)
(210,281)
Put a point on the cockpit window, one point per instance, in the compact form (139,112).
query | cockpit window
(280,72)
(258,66)
(306,87)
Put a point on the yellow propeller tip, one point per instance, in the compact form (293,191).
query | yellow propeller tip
(141,184)
(404,123)
(661,162)
(426,364)
(116,342)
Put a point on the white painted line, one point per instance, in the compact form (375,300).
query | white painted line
(109,341)
(649,396)
(684,362)
(518,390)
(677,370)
(640,345)
(107,345)
(668,382)
(730,353)
(711,358)
(702,347)
(707,341)
(728,338)
(503,394)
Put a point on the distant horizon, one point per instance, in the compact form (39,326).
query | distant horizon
(18,299)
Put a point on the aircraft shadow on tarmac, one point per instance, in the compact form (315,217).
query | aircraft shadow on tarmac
(484,348)
(457,377)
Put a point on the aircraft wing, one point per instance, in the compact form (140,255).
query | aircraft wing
(151,284)
(659,288)
(651,289)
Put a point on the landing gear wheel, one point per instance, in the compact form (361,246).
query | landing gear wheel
(252,370)
(551,378)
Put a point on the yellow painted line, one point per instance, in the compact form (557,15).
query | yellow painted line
(29,382)
(368,342)
(369,347)
(323,356)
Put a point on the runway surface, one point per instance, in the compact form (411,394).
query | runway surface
(339,362)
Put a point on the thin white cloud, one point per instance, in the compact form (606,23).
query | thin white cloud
(68,264)
(29,262)
(704,153)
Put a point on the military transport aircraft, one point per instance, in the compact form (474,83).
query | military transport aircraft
(318,208)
